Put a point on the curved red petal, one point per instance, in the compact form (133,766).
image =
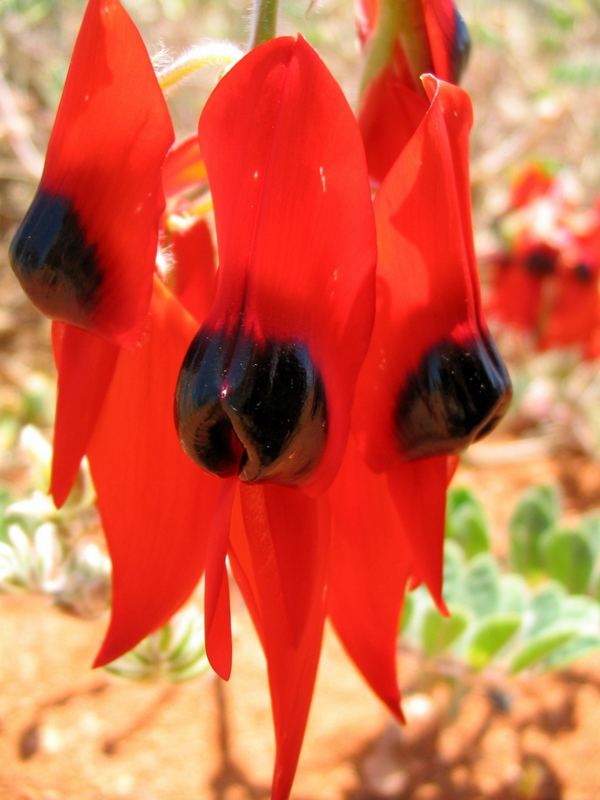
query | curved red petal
(85,366)
(217,617)
(86,249)
(515,295)
(418,491)
(195,270)
(153,502)
(448,38)
(371,561)
(428,289)
(281,554)
(390,112)
(183,168)
(293,215)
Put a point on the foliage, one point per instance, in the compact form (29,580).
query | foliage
(539,612)
(54,552)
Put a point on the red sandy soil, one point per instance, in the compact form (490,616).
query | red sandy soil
(67,733)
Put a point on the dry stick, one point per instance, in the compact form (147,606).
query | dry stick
(29,740)
(229,773)
(111,744)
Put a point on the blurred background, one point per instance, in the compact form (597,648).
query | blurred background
(503,700)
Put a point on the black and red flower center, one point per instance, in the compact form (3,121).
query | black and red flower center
(583,272)
(457,395)
(255,409)
(541,260)
(54,263)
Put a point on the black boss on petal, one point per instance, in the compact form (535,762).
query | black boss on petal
(252,409)
(55,265)
(461,48)
(457,395)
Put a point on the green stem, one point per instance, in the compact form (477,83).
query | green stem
(264,17)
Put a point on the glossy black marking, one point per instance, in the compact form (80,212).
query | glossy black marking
(541,261)
(461,49)
(457,395)
(583,272)
(55,265)
(253,409)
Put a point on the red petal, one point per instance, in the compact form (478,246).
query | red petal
(102,177)
(195,270)
(154,503)
(85,367)
(418,490)
(293,215)
(217,618)
(571,312)
(183,168)
(515,296)
(534,181)
(428,290)
(281,554)
(390,112)
(448,39)
(371,560)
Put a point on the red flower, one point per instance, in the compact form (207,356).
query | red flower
(86,249)
(314,521)
(545,281)
(404,40)
(432,382)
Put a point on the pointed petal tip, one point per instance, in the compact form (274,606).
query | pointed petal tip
(59,489)
(219,659)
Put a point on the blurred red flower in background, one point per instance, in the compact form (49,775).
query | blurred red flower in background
(544,280)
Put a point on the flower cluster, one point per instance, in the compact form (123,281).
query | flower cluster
(326,365)
(545,280)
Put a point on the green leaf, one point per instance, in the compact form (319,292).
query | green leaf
(545,608)
(481,587)
(572,651)
(468,526)
(489,638)
(569,559)
(581,612)
(540,648)
(454,572)
(466,522)
(408,610)
(438,633)
(514,594)
(458,497)
(590,526)
(536,513)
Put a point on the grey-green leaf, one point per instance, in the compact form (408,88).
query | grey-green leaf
(569,559)
(438,633)
(540,647)
(571,651)
(490,636)
(536,513)
(481,588)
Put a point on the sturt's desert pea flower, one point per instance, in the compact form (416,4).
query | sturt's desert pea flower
(544,281)
(402,40)
(292,402)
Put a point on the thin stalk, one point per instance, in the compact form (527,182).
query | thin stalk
(264,18)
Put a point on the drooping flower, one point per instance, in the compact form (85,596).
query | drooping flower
(402,40)
(293,311)
(85,251)
(432,382)
(315,522)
